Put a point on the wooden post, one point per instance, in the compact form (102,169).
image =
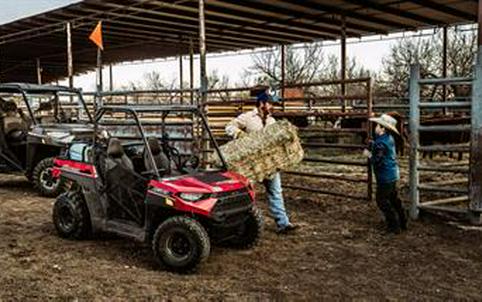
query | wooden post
(98,101)
(283,74)
(191,70)
(70,65)
(479,40)
(111,79)
(475,176)
(369,137)
(444,68)
(204,80)
(180,79)
(476,143)
(343,62)
(39,72)
(202,53)
(414,123)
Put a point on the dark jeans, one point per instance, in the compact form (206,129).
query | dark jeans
(391,206)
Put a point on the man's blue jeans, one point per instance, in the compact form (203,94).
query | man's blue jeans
(275,200)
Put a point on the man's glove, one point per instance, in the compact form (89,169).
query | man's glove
(240,133)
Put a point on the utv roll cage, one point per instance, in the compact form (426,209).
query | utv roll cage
(25,89)
(165,111)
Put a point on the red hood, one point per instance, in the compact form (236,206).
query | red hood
(210,182)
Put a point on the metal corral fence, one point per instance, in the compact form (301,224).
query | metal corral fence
(332,131)
(455,191)
(334,128)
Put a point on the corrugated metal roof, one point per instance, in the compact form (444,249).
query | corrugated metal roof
(144,29)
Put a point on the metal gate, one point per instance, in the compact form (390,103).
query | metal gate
(462,188)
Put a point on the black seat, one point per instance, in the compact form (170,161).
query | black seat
(125,188)
(161,160)
(14,126)
(115,151)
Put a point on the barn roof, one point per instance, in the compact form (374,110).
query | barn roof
(145,29)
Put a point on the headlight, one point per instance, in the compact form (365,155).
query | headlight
(160,191)
(191,197)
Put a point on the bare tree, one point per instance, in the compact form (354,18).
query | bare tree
(216,82)
(302,65)
(461,53)
(354,70)
(396,66)
(427,52)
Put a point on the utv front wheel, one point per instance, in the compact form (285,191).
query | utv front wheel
(248,234)
(71,216)
(180,244)
(43,180)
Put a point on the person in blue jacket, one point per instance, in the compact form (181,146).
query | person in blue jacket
(383,157)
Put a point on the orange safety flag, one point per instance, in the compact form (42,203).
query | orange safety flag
(96,36)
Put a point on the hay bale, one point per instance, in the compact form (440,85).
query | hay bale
(262,153)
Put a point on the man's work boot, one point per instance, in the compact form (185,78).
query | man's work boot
(289,228)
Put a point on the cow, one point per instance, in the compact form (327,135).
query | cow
(427,138)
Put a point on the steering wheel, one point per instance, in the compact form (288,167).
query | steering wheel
(190,164)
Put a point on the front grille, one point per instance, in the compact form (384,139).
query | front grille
(232,200)
(228,194)
(211,177)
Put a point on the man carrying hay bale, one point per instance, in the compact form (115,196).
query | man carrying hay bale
(257,120)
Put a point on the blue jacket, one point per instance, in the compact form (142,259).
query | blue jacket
(384,159)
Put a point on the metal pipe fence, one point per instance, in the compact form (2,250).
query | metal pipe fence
(454,196)
(313,107)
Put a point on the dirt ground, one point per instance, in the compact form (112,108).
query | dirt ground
(340,252)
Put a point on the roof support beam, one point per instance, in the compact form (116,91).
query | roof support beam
(53,27)
(352,14)
(131,32)
(445,9)
(175,29)
(247,19)
(314,18)
(369,4)
(228,26)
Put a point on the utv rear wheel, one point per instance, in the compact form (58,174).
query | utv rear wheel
(43,180)
(71,216)
(180,244)
(248,234)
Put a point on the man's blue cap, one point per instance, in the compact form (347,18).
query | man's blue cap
(264,96)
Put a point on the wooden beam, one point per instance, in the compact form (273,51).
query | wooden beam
(222,15)
(369,4)
(293,13)
(332,9)
(445,9)
(218,27)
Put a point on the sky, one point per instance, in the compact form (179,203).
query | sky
(16,9)
(369,52)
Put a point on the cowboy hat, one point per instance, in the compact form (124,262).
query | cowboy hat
(386,121)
